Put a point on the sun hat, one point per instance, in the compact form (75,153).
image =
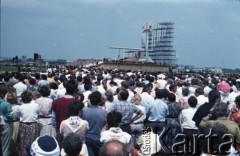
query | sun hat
(44,146)
(224,87)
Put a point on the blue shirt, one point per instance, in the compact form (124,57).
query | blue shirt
(96,118)
(126,109)
(6,110)
(158,111)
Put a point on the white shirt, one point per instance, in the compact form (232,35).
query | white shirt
(161,84)
(29,112)
(86,94)
(138,90)
(20,88)
(108,105)
(186,118)
(115,133)
(147,101)
(201,100)
(61,92)
(101,90)
(206,90)
(130,96)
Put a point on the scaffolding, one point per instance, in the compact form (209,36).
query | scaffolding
(157,41)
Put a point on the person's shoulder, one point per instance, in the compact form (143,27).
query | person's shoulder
(5,103)
(184,111)
(232,123)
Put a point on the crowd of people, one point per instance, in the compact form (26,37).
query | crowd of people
(81,112)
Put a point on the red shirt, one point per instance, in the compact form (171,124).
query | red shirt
(60,107)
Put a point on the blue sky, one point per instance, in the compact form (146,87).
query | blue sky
(206,32)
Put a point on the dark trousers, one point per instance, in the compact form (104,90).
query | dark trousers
(190,134)
(93,146)
(126,128)
(156,127)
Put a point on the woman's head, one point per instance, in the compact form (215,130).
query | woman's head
(12,97)
(137,99)
(45,91)
(27,96)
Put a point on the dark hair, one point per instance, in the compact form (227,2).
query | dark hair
(172,86)
(185,91)
(159,93)
(86,79)
(53,85)
(192,101)
(6,77)
(75,107)
(113,148)
(79,78)
(32,81)
(139,84)
(125,84)
(72,144)
(79,96)
(62,78)
(199,91)
(146,87)
(123,94)
(220,109)
(44,76)
(95,98)
(12,97)
(3,90)
(45,91)
(194,81)
(213,95)
(37,76)
(114,118)
(27,96)
(165,93)
(87,86)
(171,97)
(71,87)
(109,96)
(21,77)
(237,101)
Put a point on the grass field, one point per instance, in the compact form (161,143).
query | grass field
(14,69)
(8,68)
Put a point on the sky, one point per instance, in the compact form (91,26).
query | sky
(206,33)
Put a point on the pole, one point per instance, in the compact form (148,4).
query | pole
(146,42)
(0,33)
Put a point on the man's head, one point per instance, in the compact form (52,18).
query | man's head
(114,118)
(220,109)
(214,96)
(159,93)
(237,101)
(147,88)
(171,97)
(95,98)
(75,107)
(71,87)
(113,148)
(72,145)
(123,95)
(192,101)
(199,91)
